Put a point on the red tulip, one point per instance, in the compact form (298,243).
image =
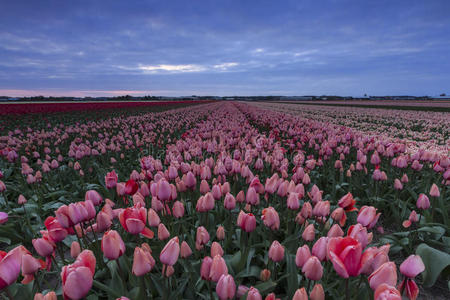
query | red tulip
(345,254)
(131,187)
(347,202)
(56,232)
(133,220)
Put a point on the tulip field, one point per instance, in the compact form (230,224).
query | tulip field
(224,200)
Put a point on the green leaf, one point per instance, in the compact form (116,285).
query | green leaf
(266,287)
(5,240)
(435,262)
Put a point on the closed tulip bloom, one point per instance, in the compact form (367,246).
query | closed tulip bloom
(412,266)
(229,202)
(163,190)
(347,202)
(398,185)
(77,282)
(276,251)
(434,191)
(264,275)
(368,216)
(252,196)
(112,245)
(133,220)
(2,186)
(178,209)
(104,221)
(111,180)
(335,231)
(306,211)
(320,248)
(345,254)
(143,262)
(75,249)
(226,288)
(312,268)
(270,218)
(131,187)
(387,292)
(317,293)
(247,222)
(303,254)
(202,237)
(216,249)
(218,268)
(163,233)
(300,294)
(94,196)
(190,181)
(321,209)
(386,273)
(170,252)
(220,233)
(359,233)
(43,246)
(253,294)
(216,192)
(185,251)
(153,218)
(49,296)
(21,200)
(240,197)
(292,201)
(423,202)
(309,233)
(205,268)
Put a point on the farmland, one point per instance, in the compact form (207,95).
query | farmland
(223,200)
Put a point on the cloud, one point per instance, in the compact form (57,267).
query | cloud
(172,68)
(226,66)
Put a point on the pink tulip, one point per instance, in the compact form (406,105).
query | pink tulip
(229,202)
(185,251)
(153,218)
(293,201)
(246,221)
(412,266)
(434,191)
(313,268)
(303,254)
(218,268)
(170,252)
(276,252)
(270,218)
(423,202)
(216,249)
(112,245)
(253,294)
(320,248)
(205,268)
(226,288)
(387,292)
(368,216)
(178,209)
(220,233)
(252,197)
(309,233)
(94,196)
(111,180)
(75,249)
(300,294)
(386,273)
(317,292)
(77,278)
(143,261)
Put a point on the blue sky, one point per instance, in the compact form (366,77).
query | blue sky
(340,47)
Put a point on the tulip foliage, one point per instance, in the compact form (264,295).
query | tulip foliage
(217,201)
